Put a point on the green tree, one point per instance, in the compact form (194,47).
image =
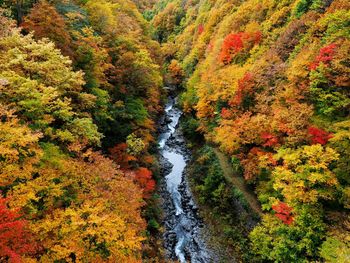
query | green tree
(275,241)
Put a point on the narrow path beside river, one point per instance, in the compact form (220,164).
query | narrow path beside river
(237,181)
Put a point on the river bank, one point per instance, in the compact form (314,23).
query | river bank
(195,227)
(229,210)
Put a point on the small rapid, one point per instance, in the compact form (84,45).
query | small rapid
(183,239)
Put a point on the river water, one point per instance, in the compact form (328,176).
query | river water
(183,236)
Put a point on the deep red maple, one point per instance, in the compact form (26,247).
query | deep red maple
(144,178)
(325,56)
(15,238)
(236,42)
(318,135)
(283,212)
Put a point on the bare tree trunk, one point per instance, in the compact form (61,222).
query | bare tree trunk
(19,6)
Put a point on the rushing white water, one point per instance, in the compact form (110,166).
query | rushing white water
(184,224)
(175,116)
(173,179)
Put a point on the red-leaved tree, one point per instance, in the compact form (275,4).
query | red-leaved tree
(144,178)
(15,239)
(236,42)
(283,212)
(319,136)
(270,139)
(120,155)
(325,56)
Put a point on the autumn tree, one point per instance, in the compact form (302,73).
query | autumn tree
(336,247)
(144,4)
(319,136)
(176,72)
(92,57)
(234,43)
(19,149)
(325,56)
(120,154)
(41,87)
(143,177)
(76,203)
(327,88)
(340,142)
(305,176)
(16,240)
(45,22)
(167,20)
(283,212)
(244,93)
(71,195)
(133,71)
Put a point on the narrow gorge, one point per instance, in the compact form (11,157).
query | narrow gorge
(242,157)
(183,237)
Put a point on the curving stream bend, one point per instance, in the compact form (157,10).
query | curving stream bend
(183,238)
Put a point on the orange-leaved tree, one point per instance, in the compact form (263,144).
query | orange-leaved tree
(45,22)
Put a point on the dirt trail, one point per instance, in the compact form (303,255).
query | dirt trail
(237,181)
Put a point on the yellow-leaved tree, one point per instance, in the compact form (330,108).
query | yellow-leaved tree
(305,176)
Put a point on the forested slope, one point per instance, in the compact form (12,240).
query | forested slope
(79,93)
(265,81)
(268,82)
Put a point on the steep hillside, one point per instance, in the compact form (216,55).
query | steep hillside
(269,83)
(79,94)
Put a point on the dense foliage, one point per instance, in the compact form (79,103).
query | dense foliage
(77,78)
(268,82)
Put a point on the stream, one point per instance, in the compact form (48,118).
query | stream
(184,230)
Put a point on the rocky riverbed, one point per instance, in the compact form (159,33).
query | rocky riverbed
(184,235)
